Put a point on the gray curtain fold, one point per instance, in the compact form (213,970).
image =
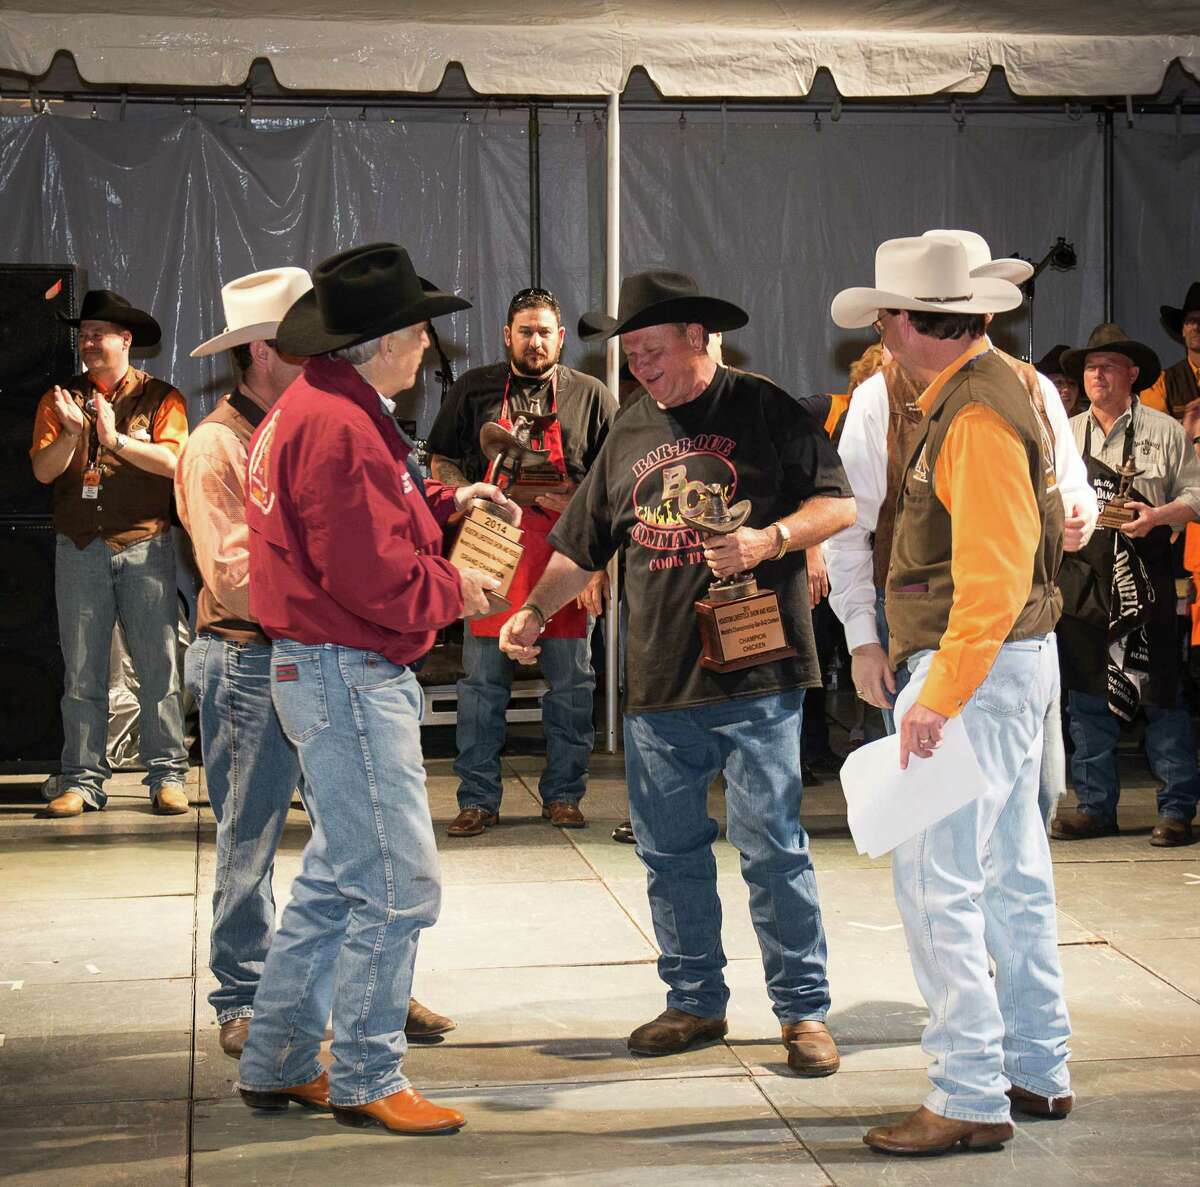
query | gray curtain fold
(764,209)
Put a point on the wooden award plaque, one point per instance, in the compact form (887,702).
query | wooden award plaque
(1115,514)
(488,542)
(740,627)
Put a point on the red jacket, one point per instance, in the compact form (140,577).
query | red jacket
(344,547)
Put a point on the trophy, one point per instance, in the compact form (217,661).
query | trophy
(486,539)
(1116,514)
(740,625)
(533,472)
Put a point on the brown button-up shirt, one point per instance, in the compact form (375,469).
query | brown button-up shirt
(131,504)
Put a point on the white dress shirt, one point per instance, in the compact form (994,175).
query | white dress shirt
(850,555)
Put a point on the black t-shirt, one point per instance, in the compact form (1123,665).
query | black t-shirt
(754,439)
(584,408)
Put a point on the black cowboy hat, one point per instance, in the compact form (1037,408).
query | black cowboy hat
(1051,362)
(358,295)
(658,298)
(105,305)
(1172,318)
(1109,337)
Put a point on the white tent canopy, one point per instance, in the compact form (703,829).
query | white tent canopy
(690,48)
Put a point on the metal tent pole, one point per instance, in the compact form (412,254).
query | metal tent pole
(612,271)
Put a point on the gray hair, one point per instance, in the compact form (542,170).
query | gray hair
(360,353)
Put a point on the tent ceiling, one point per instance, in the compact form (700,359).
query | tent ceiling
(690,48)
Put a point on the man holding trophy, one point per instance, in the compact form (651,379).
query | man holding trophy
(1120,649)
(715,481)
(534,427)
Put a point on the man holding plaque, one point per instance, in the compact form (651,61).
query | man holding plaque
(1120,646)
(348,580)
(563,416)
(705,444)
(971,607)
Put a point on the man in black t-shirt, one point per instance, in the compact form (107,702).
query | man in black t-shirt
(572,412)
(697,421)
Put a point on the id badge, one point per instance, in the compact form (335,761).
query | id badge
(91,484)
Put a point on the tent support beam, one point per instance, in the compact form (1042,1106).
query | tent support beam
(535,198)
(1110,254)
(612,278)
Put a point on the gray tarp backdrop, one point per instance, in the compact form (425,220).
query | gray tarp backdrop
(769,210)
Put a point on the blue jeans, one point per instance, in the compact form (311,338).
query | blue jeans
(566,720)
(671,758)
(370,882)
(978,884)
(1052,785)
(1052,779)
(1170,747)
(251,770)
(95,587)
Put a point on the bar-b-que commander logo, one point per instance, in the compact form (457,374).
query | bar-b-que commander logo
(660,477)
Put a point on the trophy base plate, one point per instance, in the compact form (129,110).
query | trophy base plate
(743,632)
(1114,517)
(737,665)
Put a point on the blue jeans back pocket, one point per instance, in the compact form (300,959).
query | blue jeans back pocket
(298,691)
(1013,678)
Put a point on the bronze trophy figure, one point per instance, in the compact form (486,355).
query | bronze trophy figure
(740,625)
(1116,514)
(486,538)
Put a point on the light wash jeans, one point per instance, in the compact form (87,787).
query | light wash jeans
(1052,785)
(251,770)
(671,758)
(95,587)
(566,720)
(979,884)
(347,942)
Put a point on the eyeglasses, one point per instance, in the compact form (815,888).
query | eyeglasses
(879,325)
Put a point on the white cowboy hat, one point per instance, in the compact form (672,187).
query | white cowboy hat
(979,258)
(254,307)
(922,273)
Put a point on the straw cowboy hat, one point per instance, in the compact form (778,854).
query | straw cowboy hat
(105,305)
(979,258)
(927,274)
(358,295)
(1112,339)
(659,298)
(254,307)
(1172,318)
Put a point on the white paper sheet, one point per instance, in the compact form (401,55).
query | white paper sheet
(885,805)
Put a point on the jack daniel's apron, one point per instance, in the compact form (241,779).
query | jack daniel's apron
(1117,635)
(571,621)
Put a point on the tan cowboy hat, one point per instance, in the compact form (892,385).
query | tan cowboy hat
(927,274)
(254,307)
(979,258)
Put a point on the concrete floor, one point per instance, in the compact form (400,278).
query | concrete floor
(110,1070)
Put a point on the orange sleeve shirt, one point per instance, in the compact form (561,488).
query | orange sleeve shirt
(45,424)
(170,424)
(1155,396)
(982,479)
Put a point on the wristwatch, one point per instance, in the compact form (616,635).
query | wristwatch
(120,443)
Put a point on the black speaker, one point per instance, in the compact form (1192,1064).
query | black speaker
(31,667)
(36,350)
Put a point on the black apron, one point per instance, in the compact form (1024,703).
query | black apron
(1085,630)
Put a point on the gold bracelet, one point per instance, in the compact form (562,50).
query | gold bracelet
(785,538)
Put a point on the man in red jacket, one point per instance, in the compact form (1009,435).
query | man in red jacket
(348,581)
